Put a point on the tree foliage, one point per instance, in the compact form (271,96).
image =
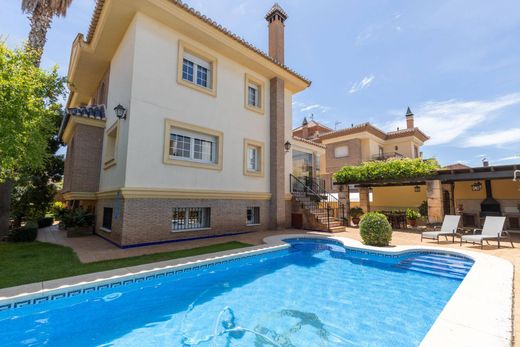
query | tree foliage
(29,110)
(389,169)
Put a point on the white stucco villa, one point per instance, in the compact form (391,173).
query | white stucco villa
(177,128)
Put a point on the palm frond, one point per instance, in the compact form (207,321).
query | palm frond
(56,7)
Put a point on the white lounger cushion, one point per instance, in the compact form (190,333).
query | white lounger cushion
(449,226)
(493,227)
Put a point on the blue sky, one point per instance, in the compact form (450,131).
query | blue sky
(455,63)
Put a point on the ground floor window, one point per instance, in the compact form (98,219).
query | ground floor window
(253,215)
(189,218)
(107,218)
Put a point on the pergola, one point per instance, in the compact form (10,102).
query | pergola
(443,179)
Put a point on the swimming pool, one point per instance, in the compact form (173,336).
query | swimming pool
(314,293)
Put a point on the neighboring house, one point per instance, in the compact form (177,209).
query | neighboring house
(364,142)
(201,147)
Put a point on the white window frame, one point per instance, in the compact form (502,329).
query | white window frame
(200,59)
(257,84)
(259,147)
(193,136)
(255,216)
(205,218)
(341,151)
(193,132)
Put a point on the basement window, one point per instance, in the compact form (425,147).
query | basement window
(107,219)
(190,218)
(253,215)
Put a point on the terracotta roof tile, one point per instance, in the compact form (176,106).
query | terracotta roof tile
(310,142)
(197,14)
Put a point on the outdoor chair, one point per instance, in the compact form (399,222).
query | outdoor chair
(493,229)
(449,227)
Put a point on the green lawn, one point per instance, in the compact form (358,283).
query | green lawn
(22,263)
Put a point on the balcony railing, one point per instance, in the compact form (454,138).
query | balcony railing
(385,156)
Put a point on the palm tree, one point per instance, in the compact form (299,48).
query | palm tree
(41,13)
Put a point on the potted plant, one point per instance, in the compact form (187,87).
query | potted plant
(356,213)
(78,222)
(412,216)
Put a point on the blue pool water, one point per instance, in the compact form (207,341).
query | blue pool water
(316,293)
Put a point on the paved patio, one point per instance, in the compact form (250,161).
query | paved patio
(94,248)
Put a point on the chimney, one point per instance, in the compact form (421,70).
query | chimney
(409,119)
(276,18)
(305,128)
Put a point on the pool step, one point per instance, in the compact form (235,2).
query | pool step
(437,264)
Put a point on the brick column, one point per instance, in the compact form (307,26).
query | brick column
(364,199)
(344,198)
(277,154)
(434,196)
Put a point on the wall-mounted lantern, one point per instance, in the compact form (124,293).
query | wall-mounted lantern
(417,189)
(476,187)
(120,111)
(287,146)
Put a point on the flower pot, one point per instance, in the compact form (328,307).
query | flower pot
(355,220)
(413,222)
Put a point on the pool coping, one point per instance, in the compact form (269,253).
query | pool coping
(478,313)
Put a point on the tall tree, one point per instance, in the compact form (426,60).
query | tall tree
(41,13)
(28,109)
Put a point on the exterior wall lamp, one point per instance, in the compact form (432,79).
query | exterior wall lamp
(476,187)
(287,145)
(417,189)
(120,111)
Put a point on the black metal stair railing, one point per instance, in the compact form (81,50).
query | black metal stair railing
(313,196)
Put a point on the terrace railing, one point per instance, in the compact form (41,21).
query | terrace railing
(314,197)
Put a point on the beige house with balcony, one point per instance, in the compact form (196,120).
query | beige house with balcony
(177,128)
(364,142)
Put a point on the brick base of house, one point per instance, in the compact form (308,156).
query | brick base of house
(147,220)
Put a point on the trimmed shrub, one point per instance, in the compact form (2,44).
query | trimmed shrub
(375,229)
(45,222)
(27,233)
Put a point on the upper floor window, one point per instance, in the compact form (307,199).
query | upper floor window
(110,146)
(341,152)
(197,69)
(191,145)
(254,94)
(253,158)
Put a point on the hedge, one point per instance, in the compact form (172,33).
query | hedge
(27,233)
(404,168)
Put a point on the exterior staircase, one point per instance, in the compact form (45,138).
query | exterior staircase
(325,211)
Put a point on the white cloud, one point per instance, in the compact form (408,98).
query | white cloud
(511,158)
(497,138)
(447,121)
(364,83)
(302,107)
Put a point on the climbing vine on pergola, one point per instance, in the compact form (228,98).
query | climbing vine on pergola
(391,169)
